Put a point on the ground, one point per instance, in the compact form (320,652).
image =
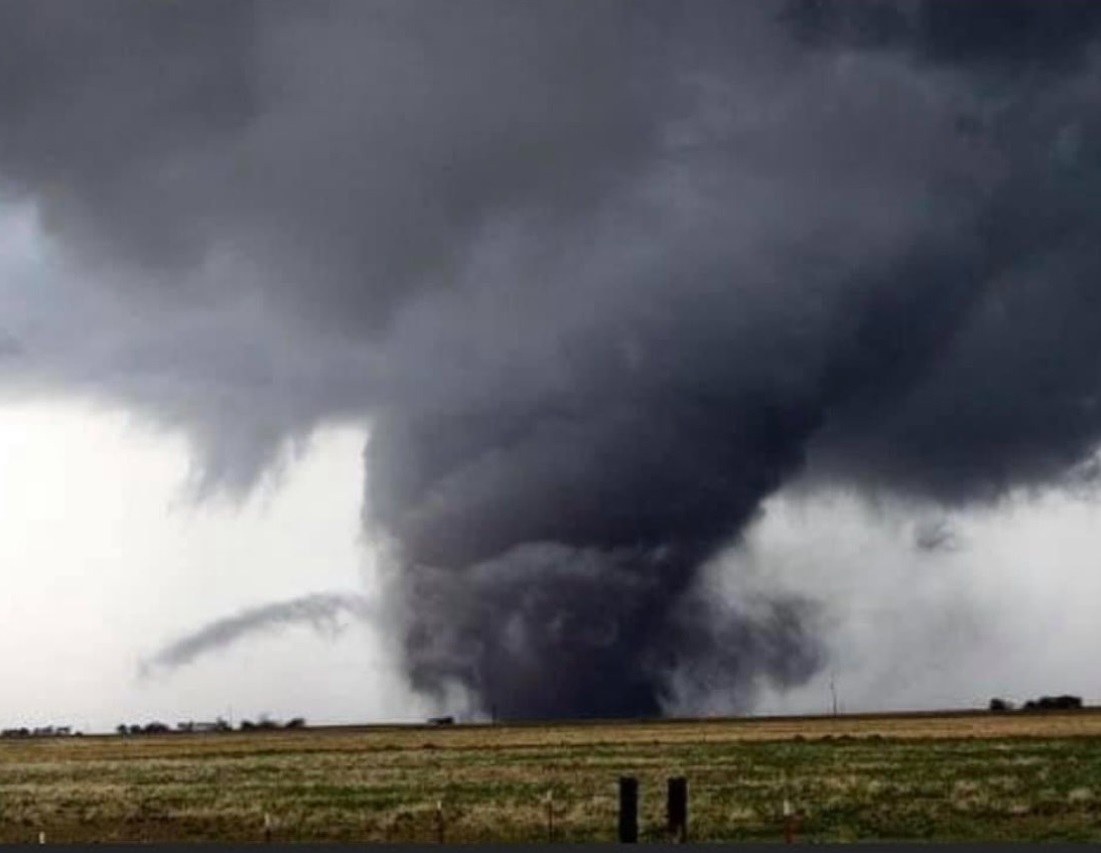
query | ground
(974,776)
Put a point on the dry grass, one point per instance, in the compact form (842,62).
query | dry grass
(960,776)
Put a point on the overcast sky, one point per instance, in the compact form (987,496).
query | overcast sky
(362,358)
(107,559)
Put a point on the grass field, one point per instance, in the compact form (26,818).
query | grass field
(900,777)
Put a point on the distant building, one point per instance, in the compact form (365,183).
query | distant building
(218,725)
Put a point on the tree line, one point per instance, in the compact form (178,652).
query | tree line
(1044,703)
(219,725)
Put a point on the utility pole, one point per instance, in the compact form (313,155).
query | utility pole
(833,693)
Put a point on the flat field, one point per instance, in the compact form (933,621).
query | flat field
(971,776)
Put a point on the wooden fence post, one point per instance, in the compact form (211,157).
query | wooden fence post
(677,809)
(628,810)
(789,822)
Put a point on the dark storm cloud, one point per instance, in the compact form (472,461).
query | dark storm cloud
(106,110)
(356,146)
(1004,35)
(603,276)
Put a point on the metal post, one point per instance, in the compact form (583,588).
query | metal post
(439,821)
(677,809)
(628,810)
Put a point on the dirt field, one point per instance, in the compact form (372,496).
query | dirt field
(949,776)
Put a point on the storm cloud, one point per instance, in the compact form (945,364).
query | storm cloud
(601,277)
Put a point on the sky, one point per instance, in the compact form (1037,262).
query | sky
(547,360)
(108,558)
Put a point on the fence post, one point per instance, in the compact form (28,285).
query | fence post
(439,821)
(550,817)
(677,809)
(628,810)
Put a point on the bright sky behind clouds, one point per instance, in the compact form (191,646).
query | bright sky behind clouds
(1010,609)
(105,559)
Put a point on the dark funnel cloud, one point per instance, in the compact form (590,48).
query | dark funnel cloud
(319,611)
(601,276)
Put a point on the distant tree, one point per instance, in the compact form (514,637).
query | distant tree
(121,729)
(296,723)
(1060,703)
(247,725)
(1054,703)
(135,729)
(998,705)
(266,722)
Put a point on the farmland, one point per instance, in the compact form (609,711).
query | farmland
(899,777)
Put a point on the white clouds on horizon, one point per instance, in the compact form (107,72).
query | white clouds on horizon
(106,558)
(1009,612)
